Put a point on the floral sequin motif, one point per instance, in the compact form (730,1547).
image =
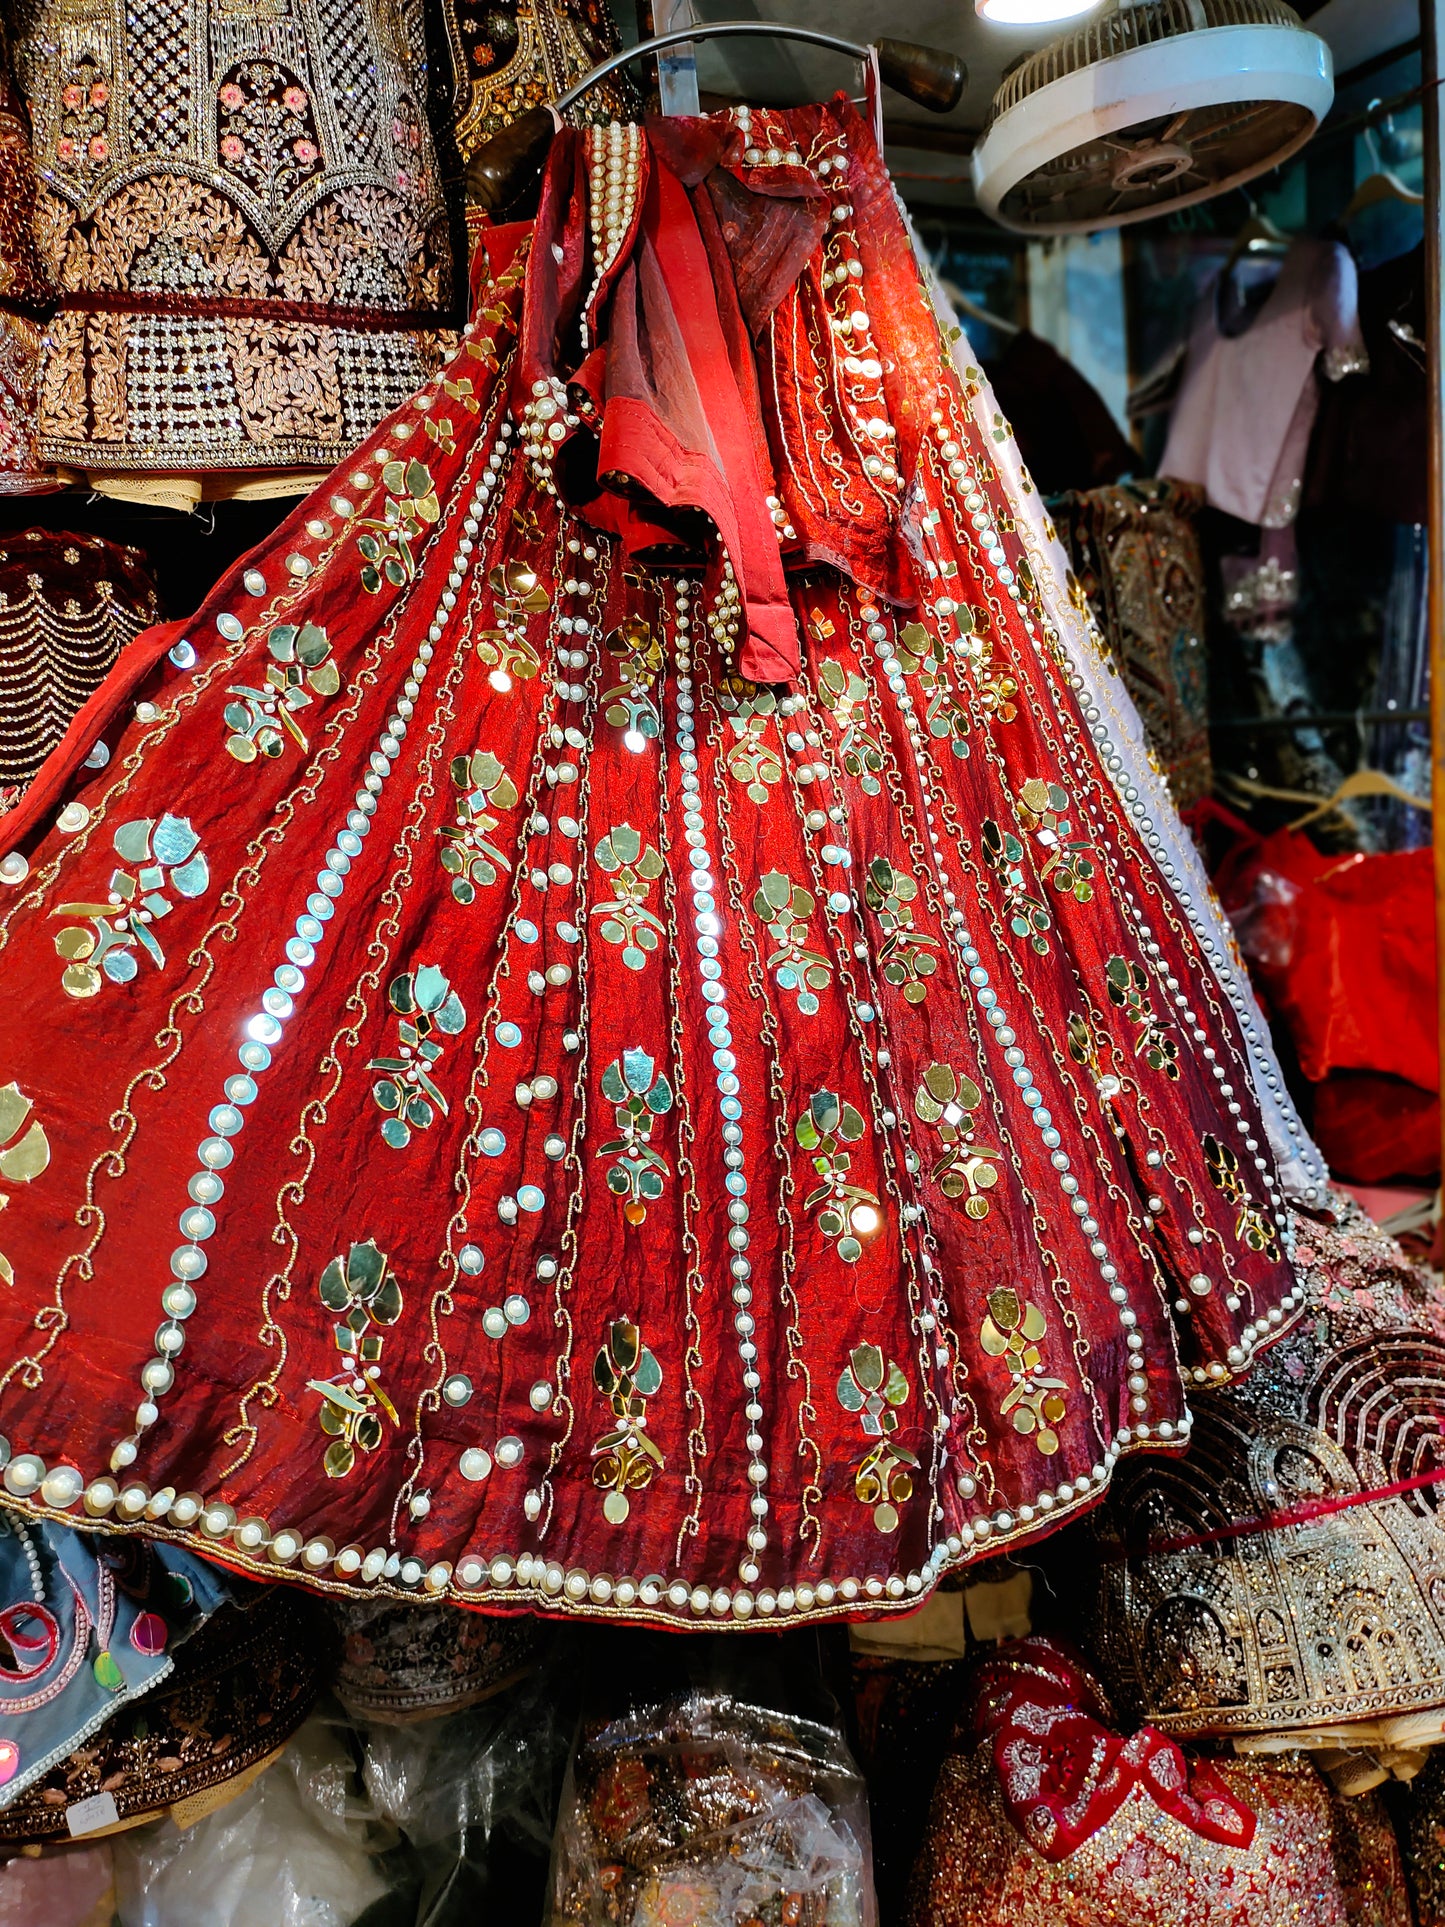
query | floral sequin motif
(266,131)
(1012,1329)
(642,1095)
(875,1388)
(1083,1048)
(629,706)
(517,593)
(844,694)
(996,689)
(411,508)
(785,908)
(426,1006)
(1252,1226)
(24,1151)
(1028,916)
(469,858)
(924,655)
(752,759)
(625,1459)
(905,956)
(847,1213)
(1067,863)
(165,855)
(299,671)
(1128,988)
(360,1291)
(947,1100)
(634,866)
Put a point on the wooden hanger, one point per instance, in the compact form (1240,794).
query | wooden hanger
(1364,782)
(1383,186)
(1259,235)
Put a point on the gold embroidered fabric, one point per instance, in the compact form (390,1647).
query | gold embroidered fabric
(516,54)
(1255,1587)
(25,294)
(403,1663)
(1313,1862)
(240,206)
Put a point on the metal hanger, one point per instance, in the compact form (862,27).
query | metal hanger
(926,75)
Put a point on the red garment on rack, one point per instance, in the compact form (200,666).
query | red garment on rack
(533,1115)
(1345,948)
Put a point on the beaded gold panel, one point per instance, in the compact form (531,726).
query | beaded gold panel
(1289,1574)
(510,55)
(240,205)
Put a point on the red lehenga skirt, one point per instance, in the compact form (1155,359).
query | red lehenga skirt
(603,1040)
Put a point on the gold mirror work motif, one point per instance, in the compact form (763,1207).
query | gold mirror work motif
(468,857)
(628,705)
(785,908)
(905,956)
(1253,1227)
(625,1459)
(1067,862)
(847,1212)
(634,867)
(360,1291)
(947,1100)
(164,854)
(844,694)
(517,593)
(411,508)
(633,1084)
(299,671)
(24,1151)
(425,1006)
(1128,988)
(1013,1330)
(874,1388)
(926,656)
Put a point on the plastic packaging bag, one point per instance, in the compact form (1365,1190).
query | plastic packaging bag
(66,1887)
(708,1810)
(474,1794)
(286,1852)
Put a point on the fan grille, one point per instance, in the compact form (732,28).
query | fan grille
(1138,25)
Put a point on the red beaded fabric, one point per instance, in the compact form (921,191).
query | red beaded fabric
(1043,1815)
(612,1045)
(26,295)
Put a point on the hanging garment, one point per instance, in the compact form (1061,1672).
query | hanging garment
(68,605)
(1371,449)
(241,1686)
(1068,627)
(686,1089)
(1241,426)
(1044,1814)
(240,208)
(26,295)
(1136,553)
